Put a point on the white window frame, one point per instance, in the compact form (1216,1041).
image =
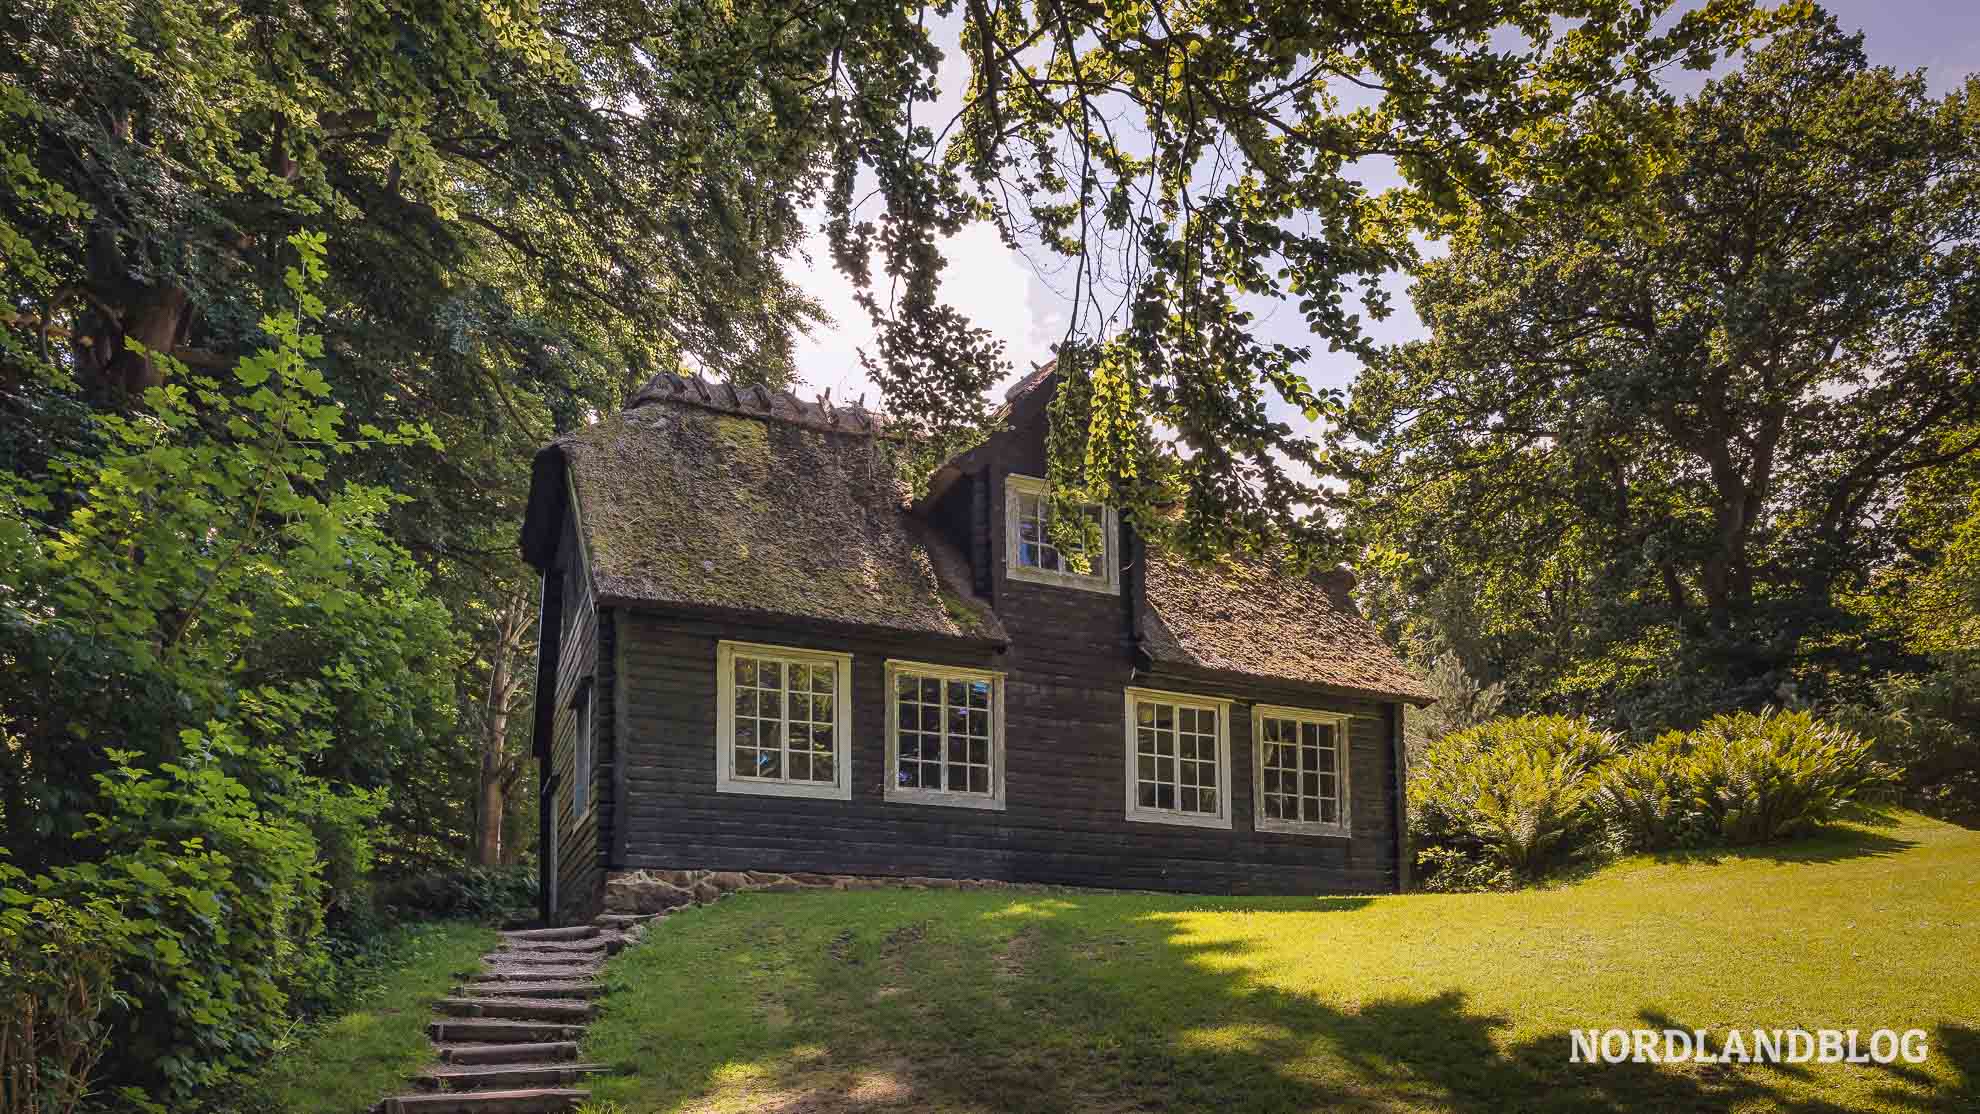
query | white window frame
(726,780)
(894,790)
(1135,810)
(581,752)
(1107,580)
(1343,748)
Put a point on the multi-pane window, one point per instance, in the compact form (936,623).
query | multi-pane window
(783,717)
(944,735)
(1075,554)
(1178,759)
(1302,769)
(1039,550)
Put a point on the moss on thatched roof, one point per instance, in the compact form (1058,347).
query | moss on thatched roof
(707,497)
(702,498)
(1242,616)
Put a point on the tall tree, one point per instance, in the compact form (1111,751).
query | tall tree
(532,205)
(535,204)
(1685,403)
(1186,157)
(503,761)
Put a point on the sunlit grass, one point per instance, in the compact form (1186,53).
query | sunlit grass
(1025,1001)
(345,1064)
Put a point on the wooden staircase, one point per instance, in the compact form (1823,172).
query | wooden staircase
(507,1039)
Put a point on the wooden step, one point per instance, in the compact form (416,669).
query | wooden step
(569,932)
(506,1075)
(493,1030)
(518,1009)
(517,988)
(508,1053)
(624,920)
(594,942)
(546,959)
(530,1100)
(534,972)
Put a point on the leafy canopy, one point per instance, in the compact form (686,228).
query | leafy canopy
(212,662)
(1661,420)
(1188,160)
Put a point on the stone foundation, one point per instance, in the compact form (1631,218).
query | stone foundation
(657,891)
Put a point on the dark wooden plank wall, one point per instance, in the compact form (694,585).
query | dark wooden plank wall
(1065,769)
(580,849)
(1070,658)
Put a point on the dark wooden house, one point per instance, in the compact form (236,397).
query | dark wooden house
(758,655)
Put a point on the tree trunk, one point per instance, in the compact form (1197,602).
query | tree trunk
(154,320)
(503,681)
(494,753)
(488,814)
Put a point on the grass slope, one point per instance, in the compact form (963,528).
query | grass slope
(988,1001)
(346,1064)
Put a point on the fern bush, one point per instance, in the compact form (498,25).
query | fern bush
(1511,799)
(1757,777)
(1511,793)
(1645,797)
(1739,778)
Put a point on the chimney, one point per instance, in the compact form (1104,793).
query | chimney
(1338,581)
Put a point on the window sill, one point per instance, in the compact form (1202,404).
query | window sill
(1302,827)
(941,799)
(1179,819)
(819,791)
(1106,586)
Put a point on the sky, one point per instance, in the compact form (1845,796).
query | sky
(1018,295)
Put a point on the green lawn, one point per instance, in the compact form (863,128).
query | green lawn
(346,1064)
(1035,1002)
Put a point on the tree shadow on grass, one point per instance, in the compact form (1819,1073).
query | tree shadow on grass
(1079,1004)
(1830,845)
(1959,1045)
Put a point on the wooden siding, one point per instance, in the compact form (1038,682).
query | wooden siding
(1063,820)
(585,644)
(1071,654)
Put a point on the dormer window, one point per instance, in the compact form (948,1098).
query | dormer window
(1032,552)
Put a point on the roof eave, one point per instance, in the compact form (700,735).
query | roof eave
(829,626)
(1332,688)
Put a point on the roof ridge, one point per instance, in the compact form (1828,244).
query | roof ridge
(758,401)
(1033,379)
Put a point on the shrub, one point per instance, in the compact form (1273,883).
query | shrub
(1927,726)
(1511,792)
(214,656)
(1756,777)
(57,965)
(223,896)
(1447,870)
(487,893)
(1522,795)
(1645,797)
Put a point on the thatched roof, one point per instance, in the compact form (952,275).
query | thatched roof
(1244,617)
(709,498)
(705,498)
